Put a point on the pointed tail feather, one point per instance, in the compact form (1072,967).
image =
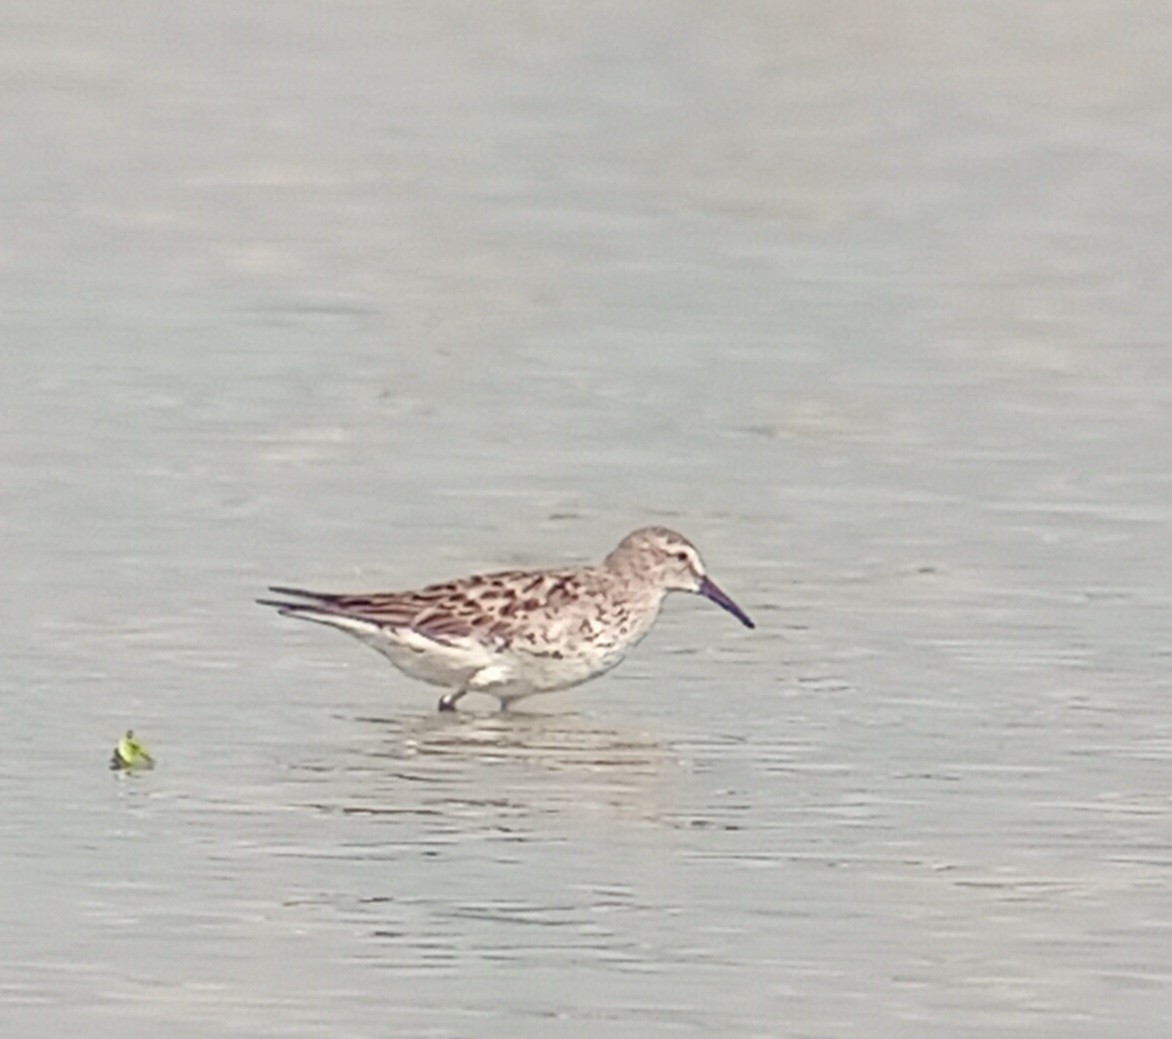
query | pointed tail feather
(322,613)
(301,593)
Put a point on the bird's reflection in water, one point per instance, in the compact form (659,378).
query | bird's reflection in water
(507,765)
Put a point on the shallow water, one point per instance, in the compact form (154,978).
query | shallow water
(873,309)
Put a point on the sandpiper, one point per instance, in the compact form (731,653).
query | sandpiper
(519,632)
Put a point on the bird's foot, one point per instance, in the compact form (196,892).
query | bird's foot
(447,702)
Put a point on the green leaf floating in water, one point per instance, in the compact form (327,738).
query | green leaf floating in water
(131,754)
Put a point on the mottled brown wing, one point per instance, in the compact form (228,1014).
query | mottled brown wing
(494,608)
(497,609)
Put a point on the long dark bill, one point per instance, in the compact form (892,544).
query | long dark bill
(711,590)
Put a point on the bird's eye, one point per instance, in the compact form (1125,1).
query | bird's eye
(682,556)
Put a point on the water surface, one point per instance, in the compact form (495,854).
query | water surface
(873,306)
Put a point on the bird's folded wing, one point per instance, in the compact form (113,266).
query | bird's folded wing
(496,609)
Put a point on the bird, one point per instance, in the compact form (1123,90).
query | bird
(518,633)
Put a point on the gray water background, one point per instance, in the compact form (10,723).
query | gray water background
(871,301)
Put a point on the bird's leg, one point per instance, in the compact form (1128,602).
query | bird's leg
(447,702)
